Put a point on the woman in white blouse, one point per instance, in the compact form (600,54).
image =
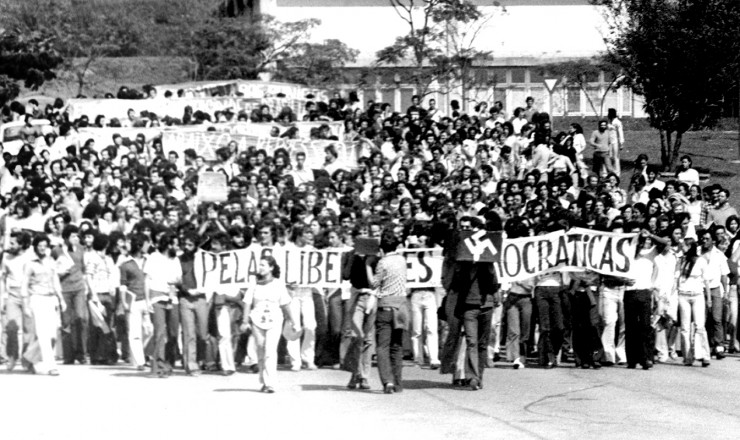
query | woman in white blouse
(692,297)
(262,310)
(686,173)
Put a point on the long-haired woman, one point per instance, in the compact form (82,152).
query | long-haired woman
(692,293)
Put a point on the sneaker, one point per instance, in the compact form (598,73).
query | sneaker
(720,354)
(295,368)
(268,390)
(53,373)
(475,385)
(434,366)
(389,388)
(705,363)
(354,381)
(518,364)
(11,364)
(310,366)
(364,385)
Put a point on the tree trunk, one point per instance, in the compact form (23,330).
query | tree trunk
(663,150)
(676,149)
(669,150)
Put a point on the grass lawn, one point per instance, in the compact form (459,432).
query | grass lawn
(711,152)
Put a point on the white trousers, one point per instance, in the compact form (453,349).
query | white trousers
(303,348)
(266,342)
(612,303)
(140,331)
(424,323)
(692,309)
(225,347)
(46,319)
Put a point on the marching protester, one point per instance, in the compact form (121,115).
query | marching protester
(134,232)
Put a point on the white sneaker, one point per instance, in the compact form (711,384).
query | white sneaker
(518,364)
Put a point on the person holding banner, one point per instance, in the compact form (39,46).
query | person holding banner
(262,312)
(303,350)
(547,295)
(638,301)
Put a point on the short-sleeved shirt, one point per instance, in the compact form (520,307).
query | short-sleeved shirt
(717,267)
(266,300)
(390,278)
(12,270)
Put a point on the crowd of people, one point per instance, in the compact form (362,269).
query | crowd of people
(99,243)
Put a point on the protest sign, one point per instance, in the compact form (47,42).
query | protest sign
(172,107)
(575,250)
(212,187)
(311,268)
(480,246)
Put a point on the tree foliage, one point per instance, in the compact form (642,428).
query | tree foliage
(426,45)
(682,56)
(27,57)
(317,64)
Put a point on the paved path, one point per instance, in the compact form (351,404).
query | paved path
(670,401)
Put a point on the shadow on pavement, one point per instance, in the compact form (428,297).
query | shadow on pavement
(310,387)
(426,384)
(236,390)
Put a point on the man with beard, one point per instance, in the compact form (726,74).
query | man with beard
(164,272)
(11,302)
(70,268)
(193,308)
(132,285)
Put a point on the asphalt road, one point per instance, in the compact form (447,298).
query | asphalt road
(669,401)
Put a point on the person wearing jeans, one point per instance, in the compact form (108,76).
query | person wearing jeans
(693,295)
(518,307)
(638,301)
(717,282)
(11,303)
(193,310)
(76,318)
(389,282)
(547,296)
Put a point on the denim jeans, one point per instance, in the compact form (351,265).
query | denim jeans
(551,322)
(389,348)
(518,319)
(587,346)
(194,320)
(75,326)
(166,322)
(715,321)
(477,323)
(363,326)
(15,321)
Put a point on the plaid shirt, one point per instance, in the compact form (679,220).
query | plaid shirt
(390,276)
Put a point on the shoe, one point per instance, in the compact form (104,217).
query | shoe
(720,354)
(11,364)
(457,382)
(585,366)
(364,385)
(705,363)
(647,365)
(389,388)
(353,382)
(489,363)
(475,385)
(295,368)
(311,366)
(336,367)
(254,369)
(596,365)
(434,366)
(140,368)
(53,373)
(496,357)
(267,390)
(607,364)
(228,372)
(518,364)
(631,366)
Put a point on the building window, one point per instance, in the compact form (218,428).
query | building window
(574,100)
(517,75)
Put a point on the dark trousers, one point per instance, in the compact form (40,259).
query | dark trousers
(389,347)
(551,322)
(637,326)
(103,345)
(587,345)
(328,336)
(166,321)
(518,317)
(15,321)
(194,320)
(715,320)
(452,340)
(477,323)
(75,326)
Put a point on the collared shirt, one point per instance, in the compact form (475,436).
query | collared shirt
(133,277)
(41,277)
(695,282)
(717,267)
(98,269)
(390,278)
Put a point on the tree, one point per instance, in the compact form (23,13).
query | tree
(425,44)
(581,73)
(231,48)
(681,55)
(82,31)
(27,57)
(317,64)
